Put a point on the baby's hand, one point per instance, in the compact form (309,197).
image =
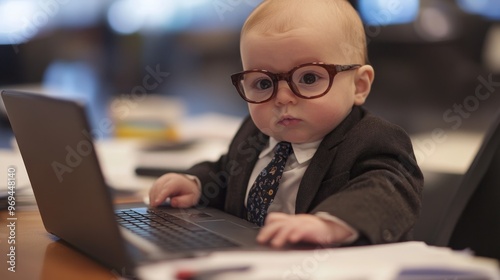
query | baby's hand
(280,229)
(182,191)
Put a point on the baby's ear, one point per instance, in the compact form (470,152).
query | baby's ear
(363,82)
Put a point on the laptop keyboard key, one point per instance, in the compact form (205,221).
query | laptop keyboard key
(169,232)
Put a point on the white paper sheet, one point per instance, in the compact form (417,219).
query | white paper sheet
(379,262)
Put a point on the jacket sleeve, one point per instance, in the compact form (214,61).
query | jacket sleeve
(213,185)
(381,197)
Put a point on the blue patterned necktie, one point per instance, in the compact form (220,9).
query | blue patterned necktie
(264,188)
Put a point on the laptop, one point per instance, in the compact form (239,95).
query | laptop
(76,205)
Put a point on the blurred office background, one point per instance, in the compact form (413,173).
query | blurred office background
(437,61)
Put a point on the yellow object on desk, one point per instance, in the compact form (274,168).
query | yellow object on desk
(147,130)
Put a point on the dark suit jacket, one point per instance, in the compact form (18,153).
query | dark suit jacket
(364,172)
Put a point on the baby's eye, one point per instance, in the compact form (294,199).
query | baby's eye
(263,84)
(309,78)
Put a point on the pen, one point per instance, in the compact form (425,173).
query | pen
(204,274)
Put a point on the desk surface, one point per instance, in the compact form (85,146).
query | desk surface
(39,255)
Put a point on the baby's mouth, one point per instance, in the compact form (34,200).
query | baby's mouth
(288,120)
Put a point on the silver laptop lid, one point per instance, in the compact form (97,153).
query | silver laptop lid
(56,145)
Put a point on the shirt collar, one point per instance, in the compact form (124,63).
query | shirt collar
(303,152)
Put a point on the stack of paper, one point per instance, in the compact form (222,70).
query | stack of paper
(404,261)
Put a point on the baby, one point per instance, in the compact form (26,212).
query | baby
(350,178)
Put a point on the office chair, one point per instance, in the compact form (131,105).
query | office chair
(472,220)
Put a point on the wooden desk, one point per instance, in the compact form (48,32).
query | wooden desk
(39,255)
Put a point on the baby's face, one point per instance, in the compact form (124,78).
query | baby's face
(288,117)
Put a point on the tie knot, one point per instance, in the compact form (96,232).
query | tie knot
(283,149)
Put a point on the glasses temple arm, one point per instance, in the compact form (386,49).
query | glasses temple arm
(341,68)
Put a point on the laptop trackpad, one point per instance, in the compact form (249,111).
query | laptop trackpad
(231,230)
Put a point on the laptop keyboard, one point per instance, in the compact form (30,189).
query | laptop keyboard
(169,232)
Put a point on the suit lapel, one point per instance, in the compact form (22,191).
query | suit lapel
(313,176)
(322,160)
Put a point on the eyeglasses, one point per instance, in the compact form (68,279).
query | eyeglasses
(308,81)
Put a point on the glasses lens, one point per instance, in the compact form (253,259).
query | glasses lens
(311,80)
(256,86)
